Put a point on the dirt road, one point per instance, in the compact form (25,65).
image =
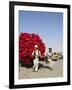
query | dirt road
(43,72)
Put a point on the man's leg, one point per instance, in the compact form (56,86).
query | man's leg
(50,64)
(36,67)
(36,64)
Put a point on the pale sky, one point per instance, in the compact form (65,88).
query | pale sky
(48,25)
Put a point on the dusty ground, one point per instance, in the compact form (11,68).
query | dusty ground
(44,72)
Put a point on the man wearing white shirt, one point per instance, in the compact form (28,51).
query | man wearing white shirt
(49,59)
(36,54)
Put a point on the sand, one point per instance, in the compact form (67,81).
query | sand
(43,72)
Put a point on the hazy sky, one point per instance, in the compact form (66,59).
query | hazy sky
(48,25)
